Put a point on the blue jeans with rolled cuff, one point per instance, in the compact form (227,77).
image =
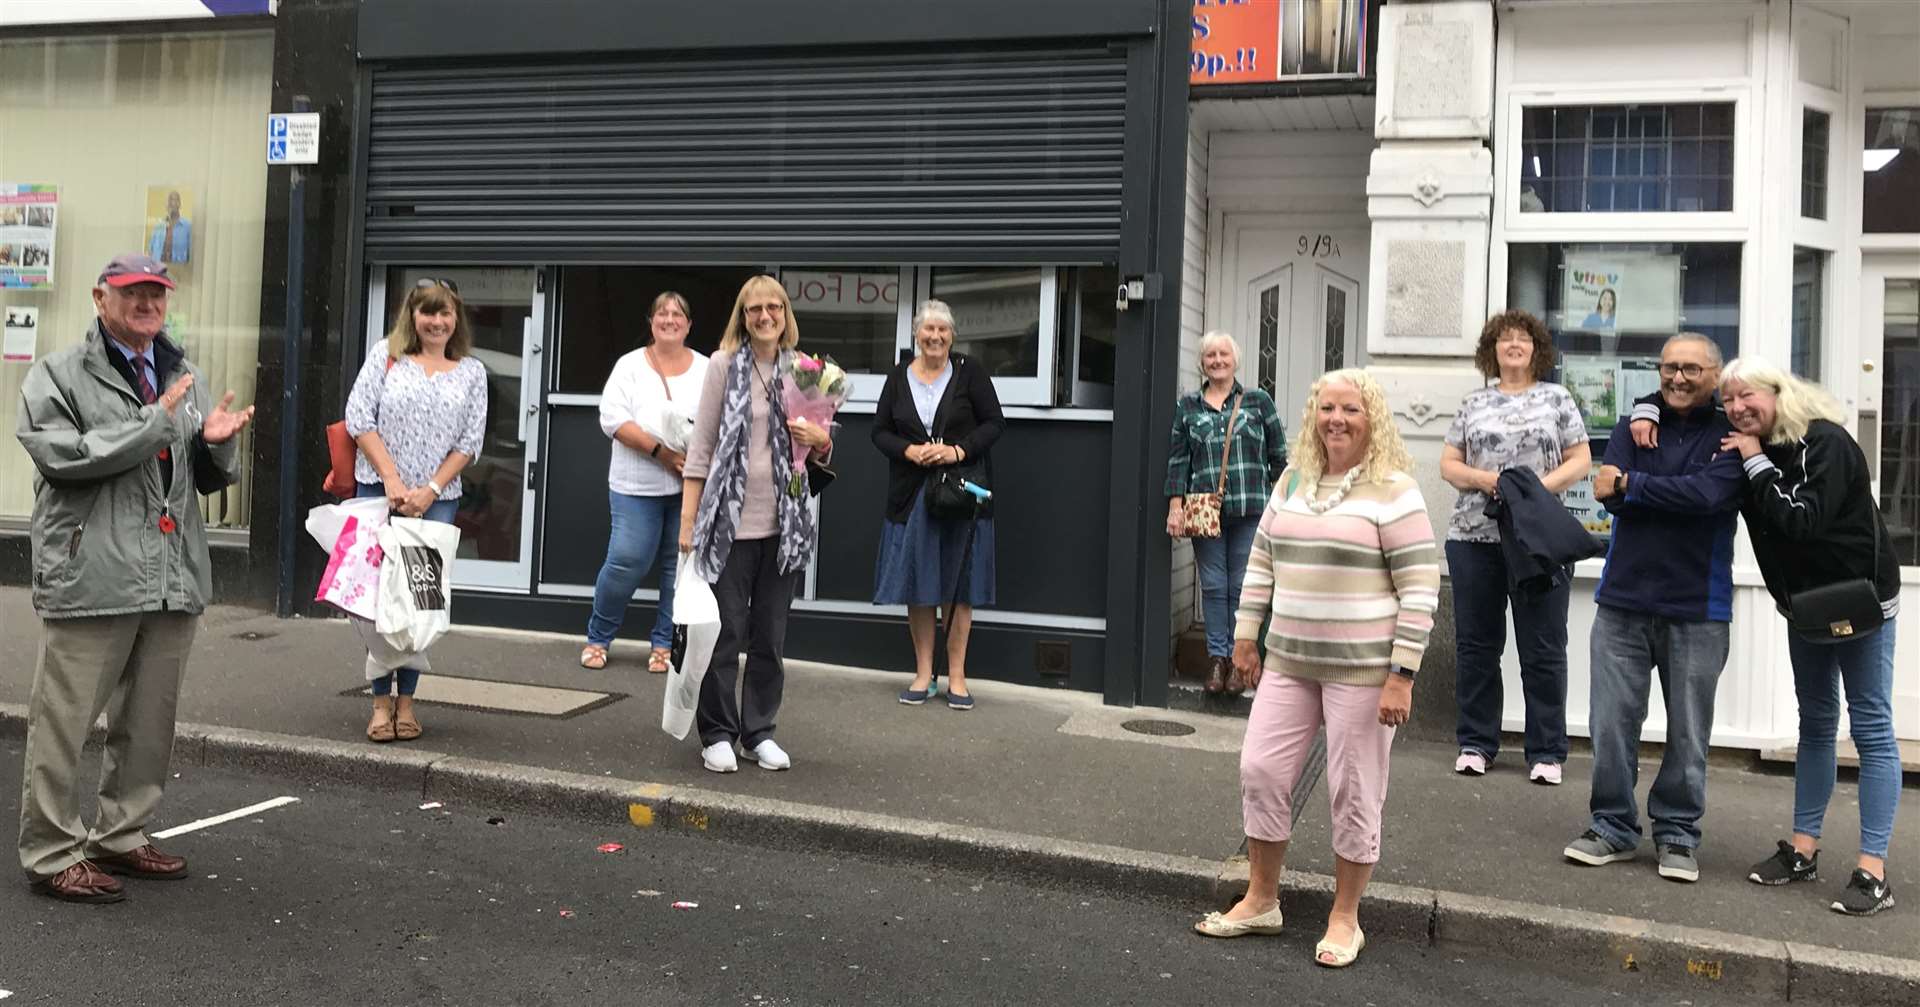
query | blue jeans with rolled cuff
(407,678)
(1222,563)
(1864,666)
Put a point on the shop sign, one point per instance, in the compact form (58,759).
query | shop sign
(28,214)
(843,293)
(14,12)
(1264,41)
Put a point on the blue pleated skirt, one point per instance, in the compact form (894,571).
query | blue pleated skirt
(922,560)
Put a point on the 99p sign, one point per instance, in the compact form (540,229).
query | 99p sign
(1234,42)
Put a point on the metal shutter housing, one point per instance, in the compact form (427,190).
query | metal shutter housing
(917,155)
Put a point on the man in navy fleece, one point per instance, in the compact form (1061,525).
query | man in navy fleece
(1665,601)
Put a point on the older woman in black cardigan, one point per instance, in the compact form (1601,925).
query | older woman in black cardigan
(937,410)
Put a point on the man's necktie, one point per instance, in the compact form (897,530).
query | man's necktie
(147,393)
(166,248)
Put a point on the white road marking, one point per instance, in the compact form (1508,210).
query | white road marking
(252,809)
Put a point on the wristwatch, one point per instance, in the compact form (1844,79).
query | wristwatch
(1619,483)
(656,449)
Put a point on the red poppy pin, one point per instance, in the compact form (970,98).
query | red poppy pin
(166,524)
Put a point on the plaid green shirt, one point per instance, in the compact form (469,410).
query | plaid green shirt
(1259,450)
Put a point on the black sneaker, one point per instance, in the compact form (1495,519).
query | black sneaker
(1865,895)
(1785,867)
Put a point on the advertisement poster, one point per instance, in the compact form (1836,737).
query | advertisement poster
(1621,292)
(1582,505)
(17,341)
(168,235)
(1264,41)
(28,215)
(1638,379)
(1595,388)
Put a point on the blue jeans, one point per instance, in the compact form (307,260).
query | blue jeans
(645,532)
(1865,666)
(1478,571)
(1223,567)
(1627,646)
(441,511)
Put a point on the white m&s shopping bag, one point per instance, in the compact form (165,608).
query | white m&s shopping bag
(697,613)
(416,588)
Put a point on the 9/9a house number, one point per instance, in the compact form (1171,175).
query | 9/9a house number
(1318,246)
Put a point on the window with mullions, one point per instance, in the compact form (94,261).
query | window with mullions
(1814,127)
(1610,308)
(1890,189)
(1627,158)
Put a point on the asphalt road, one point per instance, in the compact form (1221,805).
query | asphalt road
(351,898)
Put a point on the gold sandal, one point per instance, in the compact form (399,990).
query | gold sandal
(593,657)
(659,662)
(405,728)
(380,728)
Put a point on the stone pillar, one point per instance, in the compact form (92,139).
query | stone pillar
(1430,197)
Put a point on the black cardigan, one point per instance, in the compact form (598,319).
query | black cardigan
(968,415)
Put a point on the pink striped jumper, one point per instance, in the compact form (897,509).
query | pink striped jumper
(1342,594)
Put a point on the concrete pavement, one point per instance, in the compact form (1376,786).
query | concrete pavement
(1045,781)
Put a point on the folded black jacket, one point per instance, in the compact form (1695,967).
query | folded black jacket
(1538,537)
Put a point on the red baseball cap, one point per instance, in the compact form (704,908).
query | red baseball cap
(131,268)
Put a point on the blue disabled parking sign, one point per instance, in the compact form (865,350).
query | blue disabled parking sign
(293,138)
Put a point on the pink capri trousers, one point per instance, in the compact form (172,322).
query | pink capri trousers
(1286,713)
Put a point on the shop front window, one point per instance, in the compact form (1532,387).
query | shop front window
(1627,158)
(1814,125)
(1890,195)
(149,144)
(1611,307)
(604,314)
(1809,305)
(849,313)
(1900,419)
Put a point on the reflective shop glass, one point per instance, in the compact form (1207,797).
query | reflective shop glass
(1627,158)
(192,191)
(604,314)
(1610,308)
(1900,418)
(849,313)
(1890,193)
(996,316)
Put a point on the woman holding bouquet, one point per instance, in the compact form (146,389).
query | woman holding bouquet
(937,410)
(652,392)
(746,521)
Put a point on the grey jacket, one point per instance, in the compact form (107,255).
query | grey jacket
(99,501)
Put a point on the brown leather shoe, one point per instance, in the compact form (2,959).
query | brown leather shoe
(145,862)
(1217,673)
(83,882)
(1236,682)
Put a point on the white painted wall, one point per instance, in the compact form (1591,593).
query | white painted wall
(1185,607)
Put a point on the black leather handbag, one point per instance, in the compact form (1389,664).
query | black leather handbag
(947,501)
(1842,609)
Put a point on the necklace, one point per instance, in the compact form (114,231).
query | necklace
(1339,494)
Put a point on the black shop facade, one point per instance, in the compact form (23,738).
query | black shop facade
(565,162)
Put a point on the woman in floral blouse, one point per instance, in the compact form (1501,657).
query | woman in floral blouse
(418,412)
(1201,423)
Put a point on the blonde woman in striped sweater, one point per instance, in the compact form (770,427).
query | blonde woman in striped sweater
(1341,585)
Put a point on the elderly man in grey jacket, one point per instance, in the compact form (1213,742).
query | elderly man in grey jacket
(120,577)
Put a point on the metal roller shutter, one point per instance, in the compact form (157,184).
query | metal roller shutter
(1006,156)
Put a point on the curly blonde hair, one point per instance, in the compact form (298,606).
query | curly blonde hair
(1385,452)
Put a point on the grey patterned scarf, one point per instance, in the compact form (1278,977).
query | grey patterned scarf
(726,488)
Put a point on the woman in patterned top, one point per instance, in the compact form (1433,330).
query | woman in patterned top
(418,412)
(1520,421)
(1259,452)
(1341,585)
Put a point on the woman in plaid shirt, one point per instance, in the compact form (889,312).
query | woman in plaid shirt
(1258,454)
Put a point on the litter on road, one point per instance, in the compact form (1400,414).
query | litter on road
(430,805)
(496,820)
(610,847)
(686,905)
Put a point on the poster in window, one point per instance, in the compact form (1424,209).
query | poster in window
(21,334)
(29,215)
(1621,292)
(169,230)
(1638,379)
(1585,508)
(1593,384)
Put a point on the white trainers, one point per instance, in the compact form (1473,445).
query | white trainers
(718,758)
(770,755)
(1470,764)
(1545,774)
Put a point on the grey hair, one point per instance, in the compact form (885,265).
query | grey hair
(933,309)
(1215,337)
(1713,348)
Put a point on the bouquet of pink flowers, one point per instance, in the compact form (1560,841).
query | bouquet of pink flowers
(811,388)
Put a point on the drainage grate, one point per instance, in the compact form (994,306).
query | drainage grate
(1158,728)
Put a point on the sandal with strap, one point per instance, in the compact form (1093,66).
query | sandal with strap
(1338,956)
(593,657)
(405,728)
(380,728)
(659,661)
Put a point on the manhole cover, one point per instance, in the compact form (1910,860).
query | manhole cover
(251,635)
(1159,728)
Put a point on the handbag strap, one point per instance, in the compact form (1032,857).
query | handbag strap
(1226,451)
(647,355)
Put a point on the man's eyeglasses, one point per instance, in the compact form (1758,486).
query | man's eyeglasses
(428,283)
(1692,371)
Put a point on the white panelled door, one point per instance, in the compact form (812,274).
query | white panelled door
(1890,433)
(1299,290)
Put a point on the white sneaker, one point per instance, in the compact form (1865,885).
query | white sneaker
(770,756)
(1470,764)
(1545,773)
(718,758)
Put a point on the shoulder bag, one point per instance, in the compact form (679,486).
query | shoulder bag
(1841,609)
(340,455)
(1203,509)
(947,499)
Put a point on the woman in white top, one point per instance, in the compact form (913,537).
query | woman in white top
(647,408)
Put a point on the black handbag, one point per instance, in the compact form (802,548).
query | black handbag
(1842,609)
(948,501)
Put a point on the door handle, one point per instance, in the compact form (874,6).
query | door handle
(529,382)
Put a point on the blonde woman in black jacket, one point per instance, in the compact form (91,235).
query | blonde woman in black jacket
(1810,512)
